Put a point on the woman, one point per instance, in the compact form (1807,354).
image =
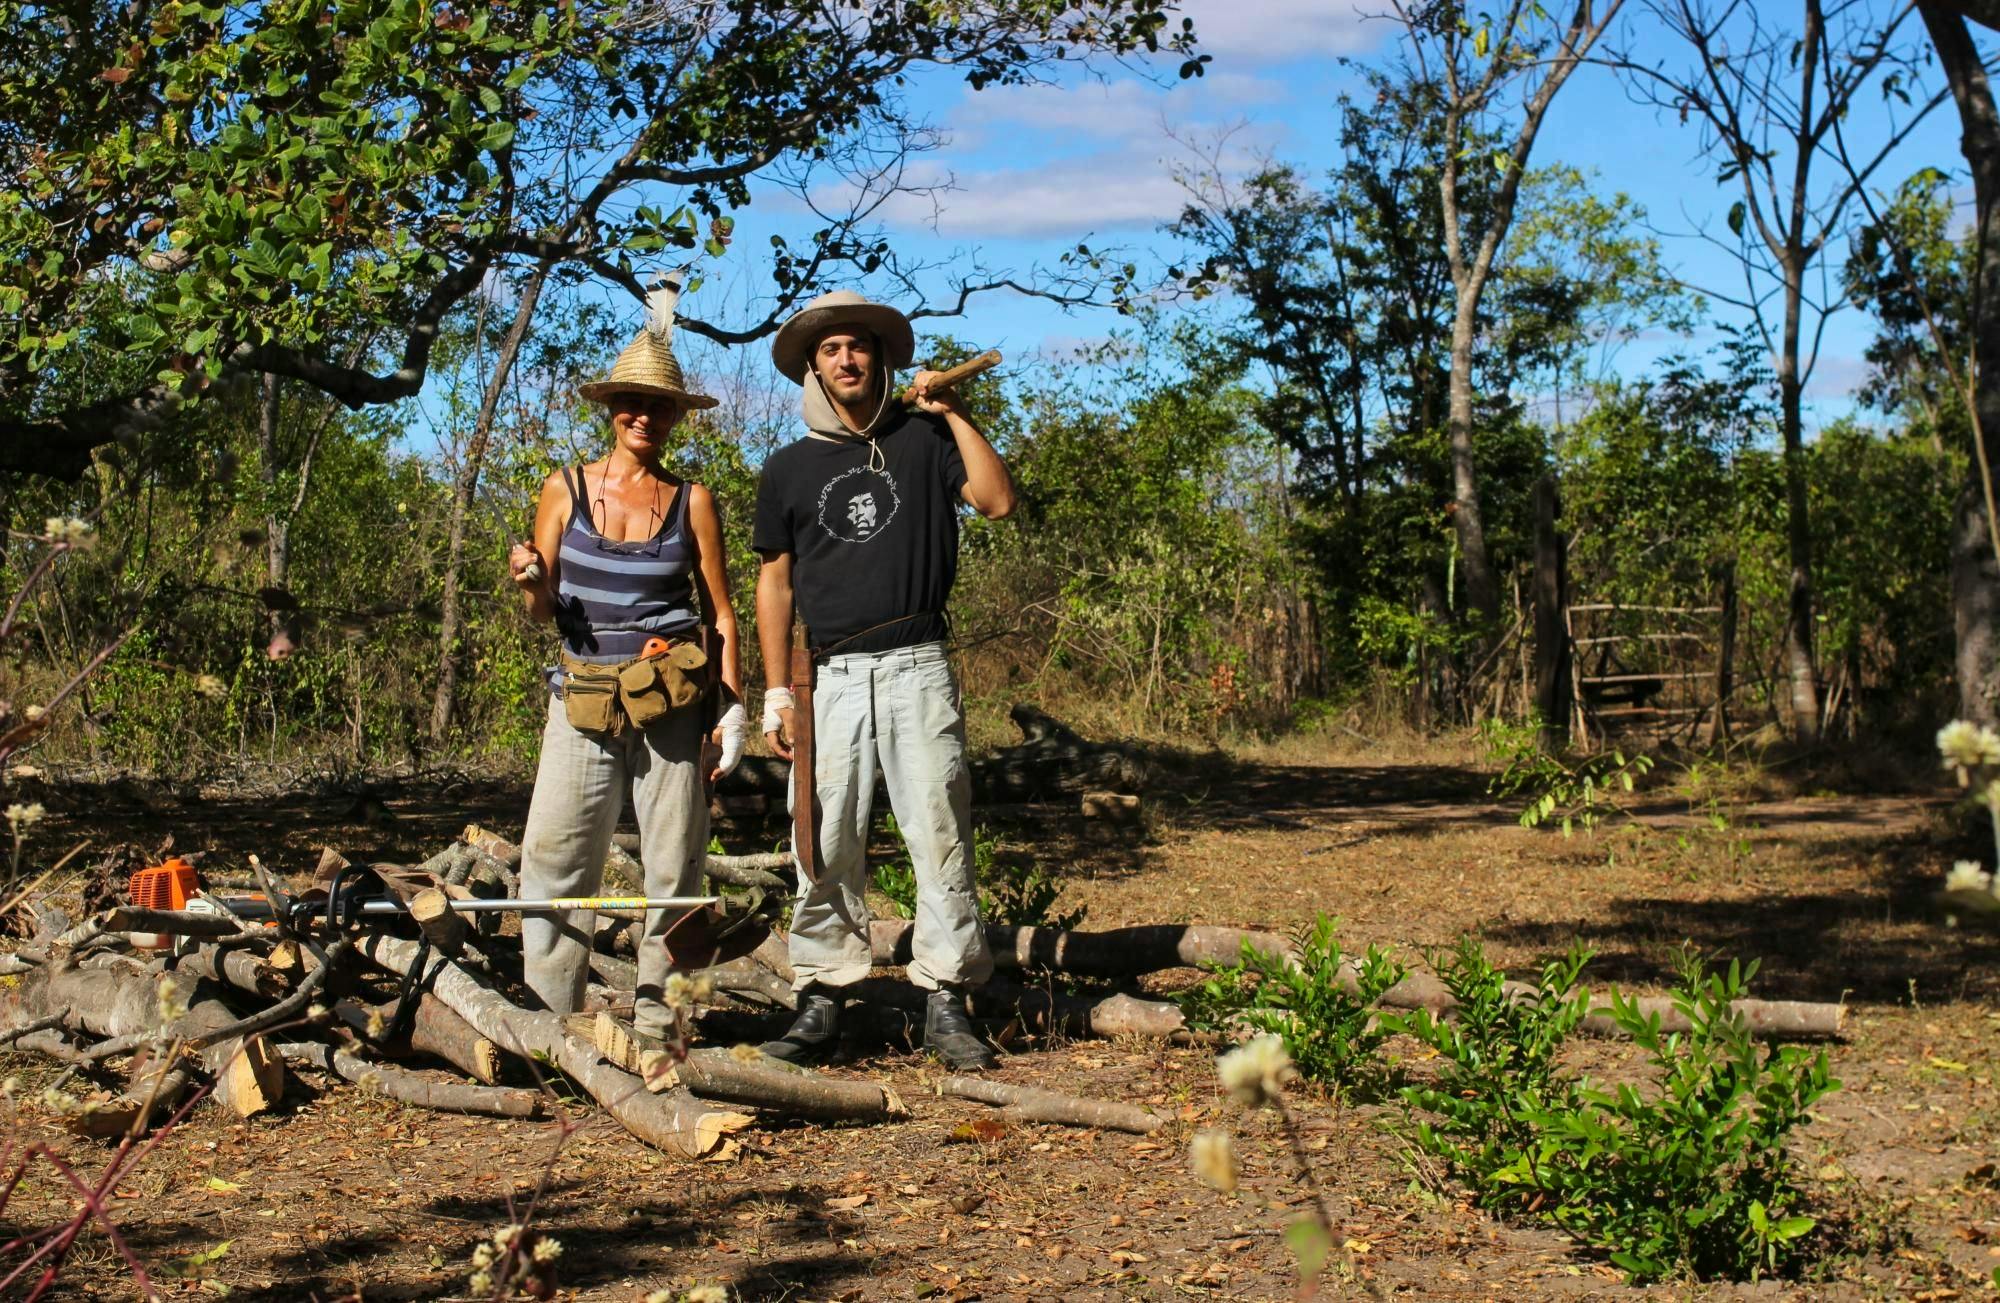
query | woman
(626,556)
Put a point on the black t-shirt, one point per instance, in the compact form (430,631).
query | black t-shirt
(868,547)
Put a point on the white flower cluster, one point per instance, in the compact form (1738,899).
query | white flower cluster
(25,816)
(171,999)
(1213,1154)
(72,530)
(1256,1072)
(1967,747)
(1970,886)
(683,992)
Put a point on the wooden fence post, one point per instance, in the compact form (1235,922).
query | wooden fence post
(1552,650)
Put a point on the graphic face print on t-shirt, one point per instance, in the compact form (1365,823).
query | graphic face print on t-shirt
(858,504)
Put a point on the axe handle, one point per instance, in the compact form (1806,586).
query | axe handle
(805,789)
(963,371)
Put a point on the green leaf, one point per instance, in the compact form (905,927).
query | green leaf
(1479,42)
(497,136)
(1310,1244)
(1738,213)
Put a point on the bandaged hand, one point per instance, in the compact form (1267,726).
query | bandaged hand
(732,732)
(776,702)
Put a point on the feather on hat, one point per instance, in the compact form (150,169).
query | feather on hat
(648,364)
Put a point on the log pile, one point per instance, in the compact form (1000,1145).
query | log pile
(432,1013)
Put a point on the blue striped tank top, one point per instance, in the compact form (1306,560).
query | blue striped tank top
(611,595)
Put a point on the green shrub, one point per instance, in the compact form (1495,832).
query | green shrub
(1575,794)
(1331,1031)
(1689,1177)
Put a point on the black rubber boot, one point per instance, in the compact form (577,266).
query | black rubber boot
(814,1035)
(949,1035)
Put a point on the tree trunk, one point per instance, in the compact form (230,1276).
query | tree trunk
(449,617)
(284,630)
(1552,650)
(1482,590)
(1975,600)
(1799,663)
(1975,567)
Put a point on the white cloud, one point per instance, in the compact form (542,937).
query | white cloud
(1836,379)
(1066,199)
(1282,31)
(1128,188)
(1117,109)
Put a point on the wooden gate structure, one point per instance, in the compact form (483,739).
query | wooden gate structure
(1604,667)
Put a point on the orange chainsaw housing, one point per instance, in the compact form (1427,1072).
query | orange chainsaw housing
(164,886)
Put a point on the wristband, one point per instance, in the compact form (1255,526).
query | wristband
(775,700)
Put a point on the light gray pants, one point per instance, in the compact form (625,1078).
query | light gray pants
(579,794)
(896,713)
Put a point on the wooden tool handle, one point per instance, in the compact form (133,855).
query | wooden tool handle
(963,371)
(805,781)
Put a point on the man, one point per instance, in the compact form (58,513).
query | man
(857,528)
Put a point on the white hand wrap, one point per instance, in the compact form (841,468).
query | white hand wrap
(775,700)
(735,729)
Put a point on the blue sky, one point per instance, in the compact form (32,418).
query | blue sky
(1035,169)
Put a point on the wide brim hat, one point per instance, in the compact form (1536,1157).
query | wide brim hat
(792,349)
(647,366)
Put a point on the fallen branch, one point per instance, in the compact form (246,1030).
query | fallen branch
(1031,1104)
(413,1088)
(676,1122)
(42,1023)
(172,922)
(1133,951)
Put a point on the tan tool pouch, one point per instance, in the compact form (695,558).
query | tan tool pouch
(590,698)
(656,686)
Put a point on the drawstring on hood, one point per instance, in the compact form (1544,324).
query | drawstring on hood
(824,418)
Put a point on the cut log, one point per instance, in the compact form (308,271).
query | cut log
(249,1075)
(745,976)
(675,1122)
(435,1030)
(620,866)
(238,968)
(718,1075)
(122,1001)
(1042,1010)
(1110,807)
(414,1088)
(1052,757)
(432,912)
(1132,951)
(286,961)
(621,974)
(1031,1104)
(1115,952)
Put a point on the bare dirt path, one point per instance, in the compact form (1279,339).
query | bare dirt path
(343,1196)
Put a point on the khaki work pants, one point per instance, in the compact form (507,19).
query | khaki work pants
(580,791)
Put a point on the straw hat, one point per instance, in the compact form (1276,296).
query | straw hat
(647,366)
(792,349)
